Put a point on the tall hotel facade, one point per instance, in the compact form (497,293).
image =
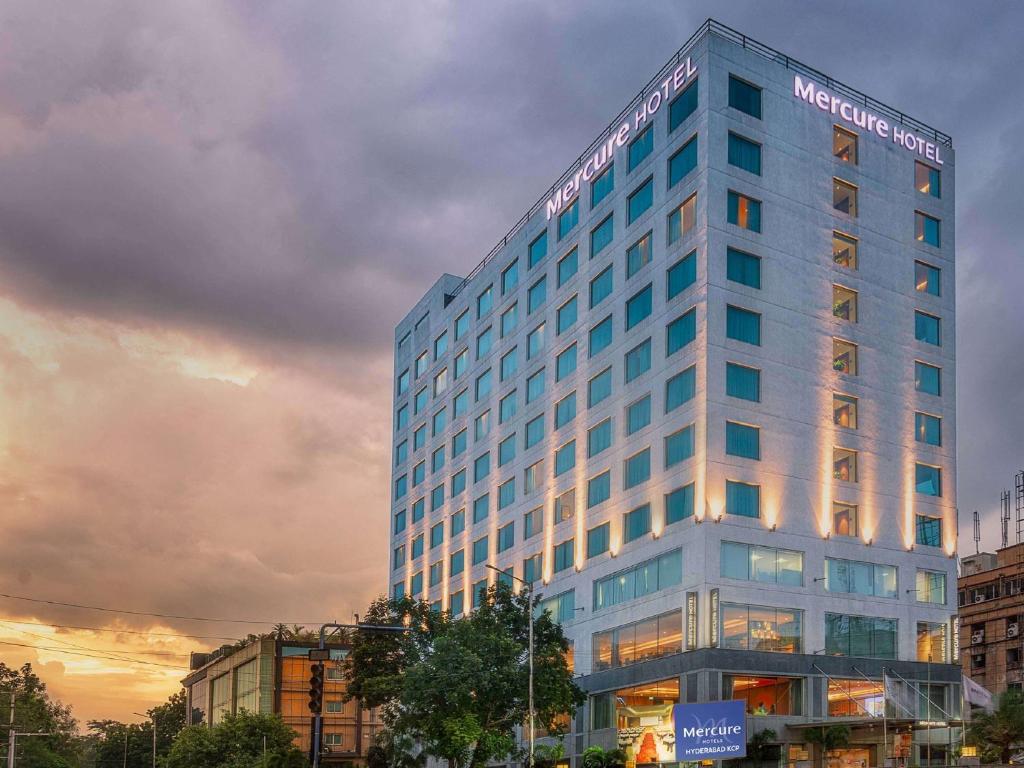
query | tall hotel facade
(702,396)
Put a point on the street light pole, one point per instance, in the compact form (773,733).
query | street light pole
(151,717)
(529,623)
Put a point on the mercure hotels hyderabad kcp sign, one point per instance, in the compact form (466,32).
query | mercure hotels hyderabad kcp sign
(714,730)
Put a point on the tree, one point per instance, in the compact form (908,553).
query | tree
(763,746)
(830,738)
(458,688)
(997,732)
(237,742)
(598,757)
(34,712)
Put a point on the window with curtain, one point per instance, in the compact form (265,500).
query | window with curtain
(538,249)
(680,388)
(599,438)
(565,458)
(744,97)
(597,540)
(638,307)
(565,410)
(743,268)
(641,147)
(681,275)
(680,332)
(679,446)
(636,523)
(565,363)
(602,186)
(638,360)
(638,255)
(682,106)
(744,211)
(640,201)
(743,325)
(742,440)
(744,154)
(682,162)
(602,235)
(637,469)
(600,336)
(599,387)
(742,382)
(568,265)
(638,415)
(599,489)
(682,219)
(679,504)
(926,229)
(568,218)
(601,286)
(743,499)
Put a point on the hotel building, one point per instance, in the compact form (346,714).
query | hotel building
(702,396)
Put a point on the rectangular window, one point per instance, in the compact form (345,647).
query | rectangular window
(507,450)
(927,428)
(418,508)
(926,328)
(534,431)
(509,364)
(481,508)
(422,363)
(457,524)
(743,382)
(844,519)
(636,523)
(927,378)
(928,531)
(419,437)
(456,603)
(600,336)
(565,410)
(461,324)
(599,387)
(619,647)
(535,386)
(638,307)
(844,251)
(682,219)
(844,197)
(509,277)
(926,179)
(401,452)
(564,555)
(646,578)
(636,469)
(532,476)
(565,458)
(679,504)
(680,332)
(436,535)
(565,506)
(682,162)
(437,459)
(458,482)
(601,235)
(641,147)
(844,357)
(744,154)
(681,275)
(744,97)
(638,360)
(678,446)
(743,325)
(398,557)
(440,421)
(568,218)
(535,342)
(460,403)
(602,186)
(601,286)
(743,628)
(567,266)
(599,438)
(926,229)
(638,255)
(417,547)
(481,467)
(441,382)
(403,382)
(483,385)
(863,636)
(744,211)
(743,268)
(931,587)
(742,440)
(484,342)
(566,316)
(844,145)
(743,499)
(565,362)
(509,320)
(767,565)
(844,411)
(479,593)
(538,249)
(420,401)
(484,301)
(536,295)
(533,523)
(400,522)
(506,537)
(927,480)
(680,388)
(598,539)
(533,568)
(855,577)
(458,443)
(419,472)
(682,106)
(480,550)
(639,201)
(926,278)
(844,303)
(844,465)
(599,489)
(638,415)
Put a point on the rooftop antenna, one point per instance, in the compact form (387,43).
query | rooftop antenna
(1004,517)
(1018,500)
(977,532)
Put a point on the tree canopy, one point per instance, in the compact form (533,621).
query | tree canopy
(996,733)
(237,742)
(35,712)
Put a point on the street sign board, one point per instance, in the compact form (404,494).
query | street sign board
(319,654)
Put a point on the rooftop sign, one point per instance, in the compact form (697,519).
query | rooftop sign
(863,119)
(663,94)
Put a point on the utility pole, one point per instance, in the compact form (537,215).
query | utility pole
(151,717)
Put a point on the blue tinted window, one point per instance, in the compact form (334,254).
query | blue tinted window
(744,97)
(601,236)
(458,482)
(509,364)
(744,154)
(565,458)
(597,540)
(568,218)
(681,275)
(636,523)
(457,525)
(682,162)
(480,550)
(638,360)
(599,438)
(638,255)
(680,332)
(742,382)
(567,266)
(566,317)
(742,440)
(638,307)
(678,446)
(601,336)
(742,499)
(638,415)
(537,295)
(927,229)
(418,508)
(459,443)
(481,467)
(399,525)
(926,328)
(565,410)
(599,489)
(927,378)
(682,106)
(601,287)
(485,301)
(534,431)
(927,480)
(506,496)
(565,363)
(640,201)
(535,386)
(599,387)
(743,325)
(928,531)
(602,186)
(744,212)
(679,504)
(481,507)
(564,555)
(927,429)
(641,147)
(509,280)
(507,450)
(680,389)
(538,249)
(743,268)
(637,469)
(682,219)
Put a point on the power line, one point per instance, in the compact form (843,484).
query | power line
(98,650)
(91,656)
(122,631)
(156,615)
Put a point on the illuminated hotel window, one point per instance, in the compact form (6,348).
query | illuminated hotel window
(638,714)
(745,154)
(744,211)
(844,465)
(641,147)
(928,530)
(864,636)
(509,280)
(855,697)
(927,328)
(743,499)
(927,378)
(927,278)
(844,519)
(931,642)
(565,506)
(844,411)
(680,388)
(682,219)
(931,587)
(844,145)
(927,179)
(743,268)
(640,641)
(568,266)
(601,286)
(565,410)
(532,476)
(682,162)
(844,303)
(568,218)
(681,275)
(597,540)
(538,249)
(646,578)
(844,250)
(765,695)
(745,97)
(602,185)
(844,357)
(844,197)
(761,628)
(927,429)
(928,480)
(768,565)
(682,106)
(926,229)
(854,577)
(639,201)
(536,295)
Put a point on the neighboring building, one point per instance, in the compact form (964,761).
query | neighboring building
(991,597)
(703,396)
(272,677)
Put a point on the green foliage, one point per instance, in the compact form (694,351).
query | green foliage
(548,755)
(598,757)
(996,733)
(34,712)
(237,742)
(110,743)
(458,688)
(830,738)
(763,746)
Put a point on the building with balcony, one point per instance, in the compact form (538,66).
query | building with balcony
(702,396)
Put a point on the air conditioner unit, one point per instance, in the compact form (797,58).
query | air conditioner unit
(1012,629)
(979,597)
(977,637)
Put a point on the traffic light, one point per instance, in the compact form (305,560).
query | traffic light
(316,688)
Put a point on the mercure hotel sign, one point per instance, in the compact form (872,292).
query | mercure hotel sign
(863,119)
(595,163)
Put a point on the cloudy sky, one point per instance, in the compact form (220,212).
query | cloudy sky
(212,214)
